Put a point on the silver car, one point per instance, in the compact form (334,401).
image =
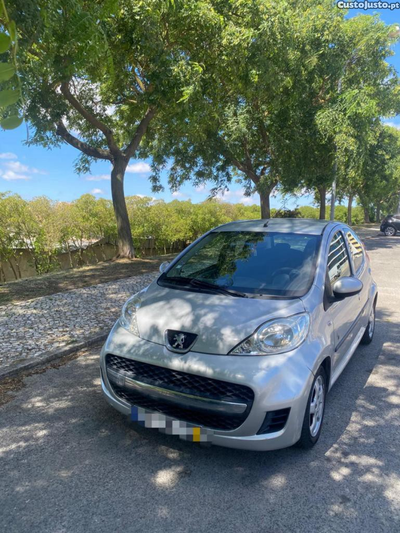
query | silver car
(241,337)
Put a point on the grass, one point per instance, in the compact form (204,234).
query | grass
(29,288)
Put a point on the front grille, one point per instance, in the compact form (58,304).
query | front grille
(274,421)
(183,382)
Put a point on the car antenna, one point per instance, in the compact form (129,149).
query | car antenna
(266,224)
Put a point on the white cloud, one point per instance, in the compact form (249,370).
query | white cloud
(178,194)
(10,175)
(201,188)
(16,166)
(100,177)
(139,168)
(96,191)
(392,124)
(8,155)
(14,170)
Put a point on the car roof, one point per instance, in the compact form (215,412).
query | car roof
(278,225)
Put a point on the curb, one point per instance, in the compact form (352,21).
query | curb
(52,356)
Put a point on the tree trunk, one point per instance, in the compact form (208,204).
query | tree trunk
(349,208)
(124,241)
(265,204)
(322,202)
(366,215)
(12,268)
(378,213)
(2,274)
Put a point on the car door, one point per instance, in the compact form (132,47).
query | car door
(396,220)
(343,314)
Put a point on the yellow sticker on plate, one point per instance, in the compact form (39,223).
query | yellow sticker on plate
(196,434)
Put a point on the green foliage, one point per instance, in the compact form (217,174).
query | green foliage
(46,228)
(292,88)
(287,213)
(260,92)
(10,84)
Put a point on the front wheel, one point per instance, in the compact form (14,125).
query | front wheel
(314,415)
(390,231)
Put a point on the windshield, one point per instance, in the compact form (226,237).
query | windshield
(253,263)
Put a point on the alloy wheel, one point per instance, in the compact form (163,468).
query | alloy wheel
(389,231)
(317,406)
(371,323)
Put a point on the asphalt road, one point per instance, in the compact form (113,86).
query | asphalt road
(70,463)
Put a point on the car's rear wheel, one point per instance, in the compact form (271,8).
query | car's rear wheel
(369,332)
(314,415)
(390,231)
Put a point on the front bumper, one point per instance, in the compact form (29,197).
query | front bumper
(278,382)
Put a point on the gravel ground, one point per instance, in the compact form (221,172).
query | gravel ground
(29,329)
(69,463)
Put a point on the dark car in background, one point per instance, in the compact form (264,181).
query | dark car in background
(390,225)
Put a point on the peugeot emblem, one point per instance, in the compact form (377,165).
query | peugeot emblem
(179,341)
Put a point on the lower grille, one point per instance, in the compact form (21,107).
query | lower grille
(212,421)
(274,421)
(185,383)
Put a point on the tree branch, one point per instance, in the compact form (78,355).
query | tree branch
(240,166)
(264,135)
(82,146)
(94,121)
(140,131)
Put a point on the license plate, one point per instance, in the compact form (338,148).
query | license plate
(165,424)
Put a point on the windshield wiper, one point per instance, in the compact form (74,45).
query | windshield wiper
(214,287)
(202,284)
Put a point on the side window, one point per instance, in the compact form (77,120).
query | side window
(338,260)
(356,249)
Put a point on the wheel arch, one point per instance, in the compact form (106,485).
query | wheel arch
(327,366)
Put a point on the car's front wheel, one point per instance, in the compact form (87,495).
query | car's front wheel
(314,415)
(390,231)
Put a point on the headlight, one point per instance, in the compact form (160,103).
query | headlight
(276,336)
(128,318)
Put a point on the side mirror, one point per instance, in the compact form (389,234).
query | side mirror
(346,286)
(163,267)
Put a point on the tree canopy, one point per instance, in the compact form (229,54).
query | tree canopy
(270,94)
(96,74)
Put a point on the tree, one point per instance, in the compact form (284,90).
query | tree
(365,88)
(95,75)
(10,95)
(292,91)
(379,182)
(253,120)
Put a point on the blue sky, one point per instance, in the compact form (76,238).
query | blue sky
(34,171)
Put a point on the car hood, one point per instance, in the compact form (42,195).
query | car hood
(220,321)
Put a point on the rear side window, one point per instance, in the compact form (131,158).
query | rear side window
(356,249)
(338,260)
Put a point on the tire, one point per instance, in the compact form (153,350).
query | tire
(390,231)
(311,429)
(369,332)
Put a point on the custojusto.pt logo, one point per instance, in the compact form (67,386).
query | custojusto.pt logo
(368,5)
